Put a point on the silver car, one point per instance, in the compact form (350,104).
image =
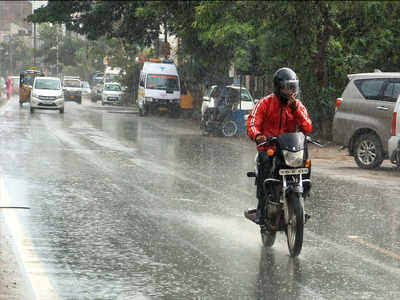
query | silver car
(112,93)
(86,91)
(363,116)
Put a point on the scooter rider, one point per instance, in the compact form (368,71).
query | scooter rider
(274,114)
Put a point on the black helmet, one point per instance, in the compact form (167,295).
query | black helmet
(285,83)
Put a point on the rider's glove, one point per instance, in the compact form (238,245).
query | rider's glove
(292,104)
(260,139)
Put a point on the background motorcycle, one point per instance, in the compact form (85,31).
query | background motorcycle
(289,183)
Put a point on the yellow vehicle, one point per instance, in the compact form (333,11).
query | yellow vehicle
(186,103)
(25,84)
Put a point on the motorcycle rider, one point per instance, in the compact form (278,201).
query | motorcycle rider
(274,114)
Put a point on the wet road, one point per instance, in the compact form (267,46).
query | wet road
(124,207)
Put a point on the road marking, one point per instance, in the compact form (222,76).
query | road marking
(34,271)
(375,247)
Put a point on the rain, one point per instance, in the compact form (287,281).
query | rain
(119,200)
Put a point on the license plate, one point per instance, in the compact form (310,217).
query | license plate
(47,102)
(293,171)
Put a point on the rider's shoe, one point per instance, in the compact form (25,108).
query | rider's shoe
(259,217)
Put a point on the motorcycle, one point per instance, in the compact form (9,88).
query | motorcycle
(223,121)
(286,188)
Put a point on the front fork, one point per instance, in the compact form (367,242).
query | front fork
(301,187)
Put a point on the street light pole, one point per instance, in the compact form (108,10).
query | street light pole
(34,44)
(57,49)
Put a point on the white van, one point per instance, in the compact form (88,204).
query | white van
(159,88)
(47,93)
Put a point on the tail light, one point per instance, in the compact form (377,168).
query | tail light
(394,119)
(338,101)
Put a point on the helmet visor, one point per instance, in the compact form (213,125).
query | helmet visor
(290,87)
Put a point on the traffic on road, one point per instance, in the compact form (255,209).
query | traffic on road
(125,207)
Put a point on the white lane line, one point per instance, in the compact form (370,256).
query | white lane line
(34,271)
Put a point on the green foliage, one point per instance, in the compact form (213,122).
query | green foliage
(322,41)
(15,56)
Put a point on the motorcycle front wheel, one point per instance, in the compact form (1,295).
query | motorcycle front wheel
(295,226)
(268,238)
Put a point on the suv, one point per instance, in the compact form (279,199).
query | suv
(47,93)
(394,141)
(363,116)
(72,89)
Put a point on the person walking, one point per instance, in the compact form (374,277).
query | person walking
(8,87)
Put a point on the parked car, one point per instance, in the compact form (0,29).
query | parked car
(72,89)
(363,116)
(112,93)
(86,90)
(394,141)
(47,93)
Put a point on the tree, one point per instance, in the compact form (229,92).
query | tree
(15,56)
(322,41)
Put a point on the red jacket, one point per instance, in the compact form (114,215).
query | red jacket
(270,118)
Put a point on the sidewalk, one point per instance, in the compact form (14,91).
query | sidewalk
(12,283)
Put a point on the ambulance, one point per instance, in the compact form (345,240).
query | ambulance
(159,88)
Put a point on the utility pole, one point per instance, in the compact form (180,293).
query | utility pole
(34,44)
(9,54)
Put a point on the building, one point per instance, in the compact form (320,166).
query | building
(12,21)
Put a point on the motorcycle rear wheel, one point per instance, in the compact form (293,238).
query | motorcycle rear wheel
(295,228)
(229,128)
(268,238)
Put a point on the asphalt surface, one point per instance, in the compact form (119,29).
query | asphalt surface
(124,207)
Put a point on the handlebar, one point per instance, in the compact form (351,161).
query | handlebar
(310,140)
(272,139)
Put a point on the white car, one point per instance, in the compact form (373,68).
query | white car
(112,93)
(86,90)
(394,140)
(47,93)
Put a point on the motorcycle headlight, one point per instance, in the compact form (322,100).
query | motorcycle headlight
(293,159)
